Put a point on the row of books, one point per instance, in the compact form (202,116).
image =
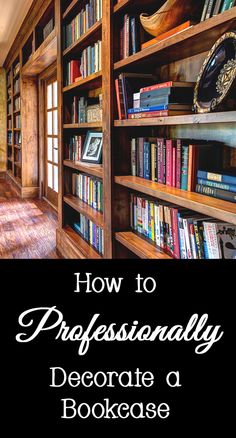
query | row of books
(129,36)
(215,7)
(78,110)
(184,165)
(9,108)
(91,233)
(9,123)
(181,233)
(86,18)
(17,138)
(89,190)
(163,99)
(90,62)
(17,103)
(16,69)
(17,86)
(73,148)
(18,122)
(9,138)
(48,28)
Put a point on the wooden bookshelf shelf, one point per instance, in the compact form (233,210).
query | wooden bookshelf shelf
(190,119)
(193,41)
(94,170)
(86,251)
(94,78)
(83,125)
(84,39)
(43,57)
(219,209)
(70,8)
(16,146)
(17,164)
(86,210)
(140,246)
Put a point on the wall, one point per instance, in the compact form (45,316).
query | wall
(3,122)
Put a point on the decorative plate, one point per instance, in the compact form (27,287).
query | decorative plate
(217,76)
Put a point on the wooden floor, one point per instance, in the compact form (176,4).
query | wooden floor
(27,227)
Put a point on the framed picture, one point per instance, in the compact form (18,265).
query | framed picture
(92,150)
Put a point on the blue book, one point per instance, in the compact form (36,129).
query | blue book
(217,185)
(227,179)
(151,108)
(147,160)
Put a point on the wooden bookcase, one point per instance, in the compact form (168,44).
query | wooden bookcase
(70,243)
(177,58)
(33,55)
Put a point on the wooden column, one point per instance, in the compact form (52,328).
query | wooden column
(107,69)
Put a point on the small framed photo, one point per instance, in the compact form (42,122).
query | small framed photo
(92,150)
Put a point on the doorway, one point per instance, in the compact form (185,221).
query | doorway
(49,160)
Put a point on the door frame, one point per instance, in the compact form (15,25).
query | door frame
(43,77)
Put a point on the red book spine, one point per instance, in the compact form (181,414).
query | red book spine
(149,114)
(175,230)
(169,163)
(156,87)
(178,164)
(174,159)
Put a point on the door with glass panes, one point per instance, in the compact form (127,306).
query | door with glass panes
(51,143)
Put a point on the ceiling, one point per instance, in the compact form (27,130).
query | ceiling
(12,16)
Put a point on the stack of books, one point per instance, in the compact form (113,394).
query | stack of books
(74,147)
(48,29)
(89,190)
(183,234)
(17,104)
(162,100)
(221,186)
(17,140)
(129,36)
(91,233)
(215,7)
(87,17)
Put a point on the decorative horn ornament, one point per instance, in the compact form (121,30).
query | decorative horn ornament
(171,14)
(217,77)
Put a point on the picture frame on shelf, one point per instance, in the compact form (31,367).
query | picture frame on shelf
(92,150)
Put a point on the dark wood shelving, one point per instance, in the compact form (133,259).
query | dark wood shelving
(216,208)
(91,169)
(189,119)
(86,210)
(83,39)
(16,146)
(140,246)
(95,77)
(83,125)
(70,8)
(195,40)
(43,57)
(86,251)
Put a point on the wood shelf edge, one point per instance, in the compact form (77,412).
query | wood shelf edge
(140,246)
(86,168)
(82,82)
(216,208)
(83,208)
(84,248)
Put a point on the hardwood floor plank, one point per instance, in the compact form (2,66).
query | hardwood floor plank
(27,227)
